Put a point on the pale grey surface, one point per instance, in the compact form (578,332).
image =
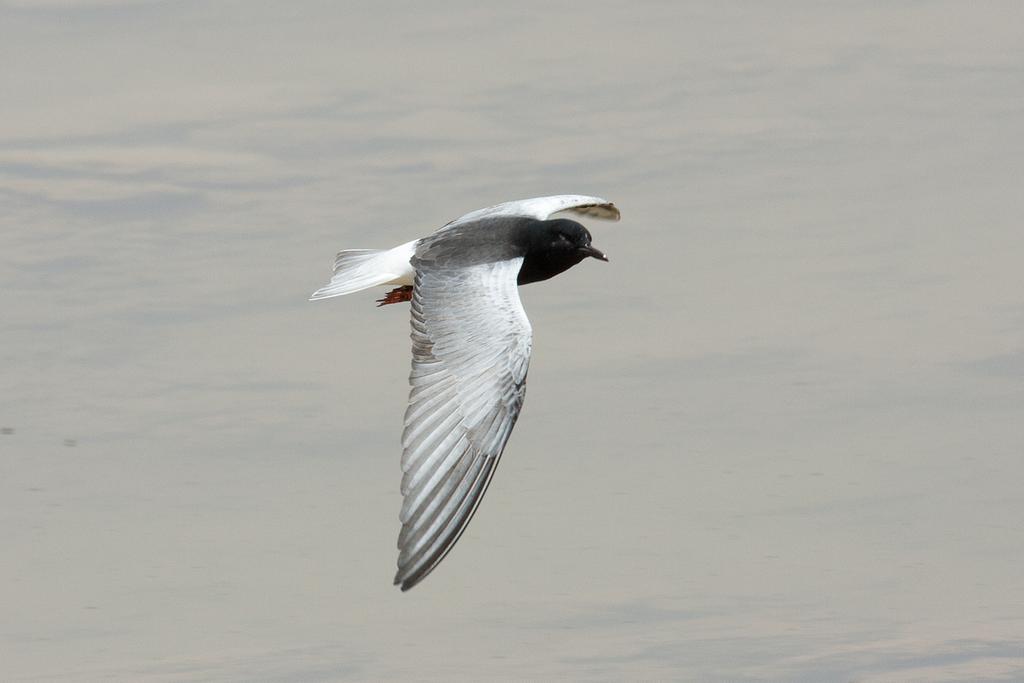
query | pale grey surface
(778,437)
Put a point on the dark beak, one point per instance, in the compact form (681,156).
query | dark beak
(595,253)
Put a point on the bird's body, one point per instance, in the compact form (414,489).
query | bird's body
(471,343)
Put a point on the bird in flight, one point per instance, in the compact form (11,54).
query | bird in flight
(471,344)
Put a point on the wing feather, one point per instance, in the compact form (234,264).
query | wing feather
(471,351)
(543,208)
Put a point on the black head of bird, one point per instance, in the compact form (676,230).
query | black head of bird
(554,246)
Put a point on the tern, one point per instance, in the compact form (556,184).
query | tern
(471,343)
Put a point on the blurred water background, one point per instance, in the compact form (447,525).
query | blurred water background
(778,437)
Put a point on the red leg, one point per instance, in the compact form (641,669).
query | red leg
(396,295)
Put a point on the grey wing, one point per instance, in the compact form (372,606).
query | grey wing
(471,345)
(543,208)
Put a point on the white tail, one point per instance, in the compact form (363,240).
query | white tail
(359,269)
